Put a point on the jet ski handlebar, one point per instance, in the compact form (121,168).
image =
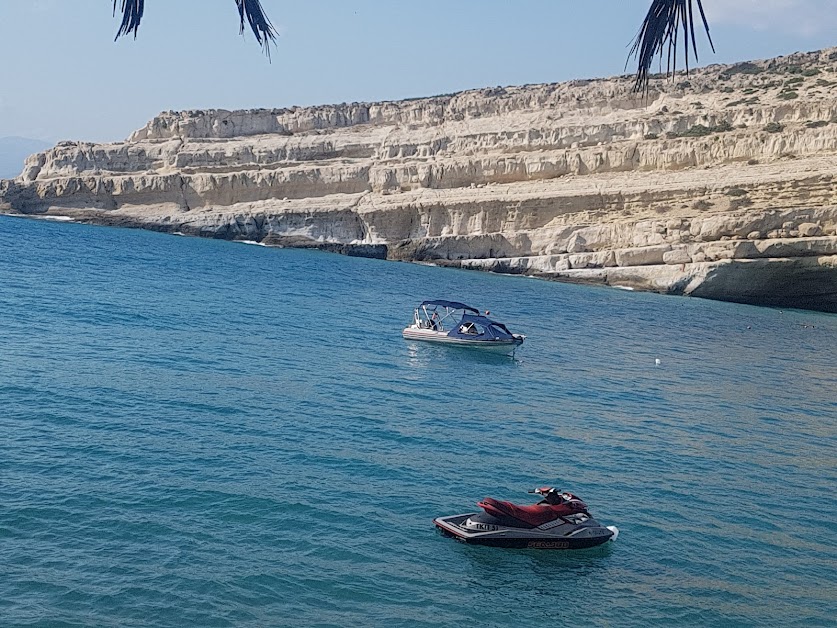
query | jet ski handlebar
(554,496)
(544,490)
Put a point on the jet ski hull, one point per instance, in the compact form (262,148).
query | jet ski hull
(482,529)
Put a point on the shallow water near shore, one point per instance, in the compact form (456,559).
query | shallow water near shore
(196,432)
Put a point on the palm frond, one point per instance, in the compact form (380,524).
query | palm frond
(658,36)
(132,11)
(250,10)
(259,23)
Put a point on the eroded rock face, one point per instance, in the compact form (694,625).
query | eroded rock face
(720,186)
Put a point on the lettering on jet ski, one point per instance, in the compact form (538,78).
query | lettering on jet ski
(549,545)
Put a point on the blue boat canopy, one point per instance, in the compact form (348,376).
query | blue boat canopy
(453,305)
(478,327)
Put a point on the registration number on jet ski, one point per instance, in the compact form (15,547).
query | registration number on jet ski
(549,544)
(485,527)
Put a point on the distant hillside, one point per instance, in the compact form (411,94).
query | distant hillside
(13,152)
(722,184)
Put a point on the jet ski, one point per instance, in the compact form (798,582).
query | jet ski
(559,521)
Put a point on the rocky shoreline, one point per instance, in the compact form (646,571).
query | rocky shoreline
(720,185)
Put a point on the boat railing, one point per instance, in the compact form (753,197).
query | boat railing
(430,318)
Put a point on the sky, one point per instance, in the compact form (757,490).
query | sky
(64,78)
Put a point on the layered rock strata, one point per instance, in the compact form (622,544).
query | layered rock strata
(720,185)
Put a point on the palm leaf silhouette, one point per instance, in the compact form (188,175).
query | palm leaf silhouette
(259,23)
(132,11)
(251,10)
(658,36)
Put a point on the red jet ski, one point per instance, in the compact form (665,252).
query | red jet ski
(559,521)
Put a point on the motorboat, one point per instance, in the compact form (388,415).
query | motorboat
(457,324)
(559,521)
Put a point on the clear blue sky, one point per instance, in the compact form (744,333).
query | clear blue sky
(64,77)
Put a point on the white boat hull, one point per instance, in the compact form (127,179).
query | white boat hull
(441,337)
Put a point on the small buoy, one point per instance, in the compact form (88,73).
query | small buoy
(658,361)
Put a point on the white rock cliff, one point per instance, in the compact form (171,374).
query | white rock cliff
(718,185)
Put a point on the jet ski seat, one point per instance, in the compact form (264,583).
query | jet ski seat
(534,515)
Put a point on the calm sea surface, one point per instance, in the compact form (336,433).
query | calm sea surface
(205,433)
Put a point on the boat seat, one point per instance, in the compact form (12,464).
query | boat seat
(534,515)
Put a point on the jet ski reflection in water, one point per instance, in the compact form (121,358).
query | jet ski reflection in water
(559,521)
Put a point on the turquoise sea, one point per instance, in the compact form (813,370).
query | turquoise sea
(204,433)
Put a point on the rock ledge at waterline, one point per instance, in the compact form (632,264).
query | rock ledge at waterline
(718,185)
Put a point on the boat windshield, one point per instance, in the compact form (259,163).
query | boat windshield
(478,327)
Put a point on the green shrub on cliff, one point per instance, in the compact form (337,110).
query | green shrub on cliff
(736,192)
(698,130)
(701,130)
(744,68)
(738,203)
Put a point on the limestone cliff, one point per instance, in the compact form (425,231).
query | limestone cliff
(718,185)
